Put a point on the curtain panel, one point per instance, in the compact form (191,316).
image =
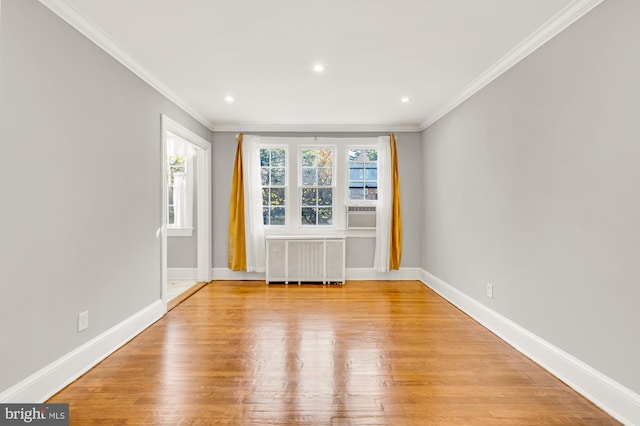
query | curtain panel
(236,250)
(395,237)
(254,227)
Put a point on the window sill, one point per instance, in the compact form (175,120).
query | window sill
(179,232)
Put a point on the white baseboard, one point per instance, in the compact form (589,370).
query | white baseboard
(403,274)
(617,400)
(227,274)
(182,273)
(44,383)
(351,274)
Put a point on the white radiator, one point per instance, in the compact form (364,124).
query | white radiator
(305,259)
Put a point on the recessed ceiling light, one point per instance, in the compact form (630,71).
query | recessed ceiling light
(229,98)
(405,100)
(318,68)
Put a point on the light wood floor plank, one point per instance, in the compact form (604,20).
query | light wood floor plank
(366,353)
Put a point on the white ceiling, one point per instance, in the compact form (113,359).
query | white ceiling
(436,52)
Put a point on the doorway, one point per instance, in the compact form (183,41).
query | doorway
(186,159)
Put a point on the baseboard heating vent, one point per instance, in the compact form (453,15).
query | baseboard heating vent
(305,259)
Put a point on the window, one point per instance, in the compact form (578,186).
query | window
(316,185)
(176,174)
(363,174)
(180,185)
(273,174)
(306,184)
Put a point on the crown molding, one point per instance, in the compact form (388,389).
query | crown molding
(554,26)
(70,14)
(324,128)
(568,15)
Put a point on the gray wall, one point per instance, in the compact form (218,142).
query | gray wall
(359,251)
(81,135)
(532,185)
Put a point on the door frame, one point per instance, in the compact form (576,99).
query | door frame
(203,201)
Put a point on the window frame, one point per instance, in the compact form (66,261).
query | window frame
(340,180)
(364,201)
(287,186)
(301,187)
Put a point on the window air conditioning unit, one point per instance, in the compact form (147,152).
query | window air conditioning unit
(361,217)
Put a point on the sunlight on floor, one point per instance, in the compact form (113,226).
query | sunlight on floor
(177,287)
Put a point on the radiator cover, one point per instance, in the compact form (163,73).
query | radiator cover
(299,259)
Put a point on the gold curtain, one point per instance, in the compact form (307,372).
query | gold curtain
(237,248)
(395,240)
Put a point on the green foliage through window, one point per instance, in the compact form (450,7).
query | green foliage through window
(316,181)
(273,178)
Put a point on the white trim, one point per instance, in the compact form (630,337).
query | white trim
(403,274)
(179,232)
(69,13)
(319,128)
(182,273)
(44,383)
(353,274)
(226,274)
(559,22)
(203,208)
(617,400)
(568,15)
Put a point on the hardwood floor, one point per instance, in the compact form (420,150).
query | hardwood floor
(178,299)
(366,353)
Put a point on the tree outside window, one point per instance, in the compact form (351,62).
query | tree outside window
(273,178)
(316,182)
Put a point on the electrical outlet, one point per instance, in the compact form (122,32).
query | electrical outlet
(490,291)
(83,321)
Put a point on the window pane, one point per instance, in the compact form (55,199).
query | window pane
(170,196)
(277,157)
(265,196)
(325,216)
(277,176)
(265,215)
(356,193)
(309,157)
(309,177)
(371,154)
(309,196)
(264,176)
(372,194)
(277,215)
(356,172)
(277,197)
(325,196)
(264,157)
(171,219)
(324,177)
(309,216)
(325,158)
(371,174)
(355,154)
